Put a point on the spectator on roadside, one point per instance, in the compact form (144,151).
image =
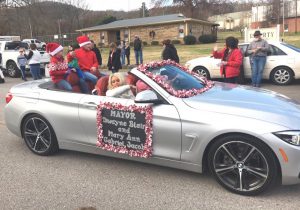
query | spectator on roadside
(87,59)
(258,50)
(169,51)
(114,62)
(34,60)
(127,52)
(97,52)
(22,63)
(123,53)
(59,70)
(231,60)
(2,80)
(138,51)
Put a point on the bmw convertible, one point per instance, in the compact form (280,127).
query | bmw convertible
(247,138)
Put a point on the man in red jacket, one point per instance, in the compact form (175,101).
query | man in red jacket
(87,59)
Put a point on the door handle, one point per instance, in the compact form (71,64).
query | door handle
(90,105)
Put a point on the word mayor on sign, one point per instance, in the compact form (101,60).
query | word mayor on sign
(124,128)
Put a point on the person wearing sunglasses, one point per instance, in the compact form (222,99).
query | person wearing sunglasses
(117,87)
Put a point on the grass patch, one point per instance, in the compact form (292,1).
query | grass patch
(188,52)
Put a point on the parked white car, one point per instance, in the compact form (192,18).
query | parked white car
(282,66)
(10,53)
(39,44)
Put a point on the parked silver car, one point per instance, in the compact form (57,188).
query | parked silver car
(248,138)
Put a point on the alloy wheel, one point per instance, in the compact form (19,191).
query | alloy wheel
(37,135)
(282,76)
(240,166)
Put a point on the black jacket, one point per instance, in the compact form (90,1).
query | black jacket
(170,52)
(98,55)
(137,44)
(114,60)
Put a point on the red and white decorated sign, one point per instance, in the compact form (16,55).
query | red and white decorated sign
(125,129)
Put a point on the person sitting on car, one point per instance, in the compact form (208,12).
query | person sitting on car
(59,70)
(117,87)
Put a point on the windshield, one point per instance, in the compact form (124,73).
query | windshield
(291,47)
(176,78)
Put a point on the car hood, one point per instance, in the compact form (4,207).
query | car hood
(249,102)
(202,59)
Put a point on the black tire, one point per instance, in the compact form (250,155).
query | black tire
(39,135)
(12,69)
(282,75)
(243,164)
(202,71)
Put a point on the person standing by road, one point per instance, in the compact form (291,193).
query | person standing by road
(97,53)
(34,60)
(169,51)
(127,52)
(258,51)
(22,63)
(137,46)
(114,62)
(232,60)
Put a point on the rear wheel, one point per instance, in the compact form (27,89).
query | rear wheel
(39,136)
(202,71)
(243,164)
(282,75)
(12,69)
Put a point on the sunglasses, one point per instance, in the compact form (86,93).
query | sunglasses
(114,81)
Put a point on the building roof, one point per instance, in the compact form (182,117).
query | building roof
(154,20)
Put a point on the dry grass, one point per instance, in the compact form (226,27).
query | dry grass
(188,52)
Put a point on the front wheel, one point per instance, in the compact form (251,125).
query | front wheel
(39,136)
(282,76)
(243,164)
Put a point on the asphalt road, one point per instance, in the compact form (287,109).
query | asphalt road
(69,180)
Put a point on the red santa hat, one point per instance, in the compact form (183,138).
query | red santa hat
(53,48)
(83,40)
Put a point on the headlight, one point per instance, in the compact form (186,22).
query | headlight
(292,137)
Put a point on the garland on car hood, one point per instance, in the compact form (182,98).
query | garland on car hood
(161,80)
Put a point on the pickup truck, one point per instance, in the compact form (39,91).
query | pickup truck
(10,52)
(39,44)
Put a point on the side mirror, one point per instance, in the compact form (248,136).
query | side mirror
(147,96)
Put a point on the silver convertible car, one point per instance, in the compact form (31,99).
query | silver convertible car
(248,138)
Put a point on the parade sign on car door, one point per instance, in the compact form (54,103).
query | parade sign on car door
(125,129)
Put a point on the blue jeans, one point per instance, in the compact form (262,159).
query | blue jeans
(90,77)
(63,84)
(35,71)
(123,58)
(258,65)
(138,56)
(83,86)
(22,68)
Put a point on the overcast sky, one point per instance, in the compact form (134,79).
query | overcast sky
(116,4)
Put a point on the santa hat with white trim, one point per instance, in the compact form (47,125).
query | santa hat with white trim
(83,40)
(53,48)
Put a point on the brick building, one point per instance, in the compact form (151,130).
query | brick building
(156,28)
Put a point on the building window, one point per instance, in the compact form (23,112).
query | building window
(102,37)
(181,31)
(126,35)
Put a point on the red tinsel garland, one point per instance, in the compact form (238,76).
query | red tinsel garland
(147,110)
(162,81)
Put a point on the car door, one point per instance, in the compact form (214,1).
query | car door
(276,57)
(166,139)
(246,60)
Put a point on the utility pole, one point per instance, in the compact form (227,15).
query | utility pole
(143,8)
(283,26)
(296,16)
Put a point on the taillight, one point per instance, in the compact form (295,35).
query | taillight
(8,97)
